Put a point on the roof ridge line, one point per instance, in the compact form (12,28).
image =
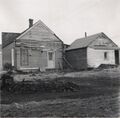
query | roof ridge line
(22,33)
(12,32)
(89,36)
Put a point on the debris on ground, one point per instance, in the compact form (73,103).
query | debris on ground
(41,86)
(107,66)
(6,80)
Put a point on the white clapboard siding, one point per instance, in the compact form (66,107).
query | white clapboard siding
(96,57)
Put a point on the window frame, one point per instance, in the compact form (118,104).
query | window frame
(106,57)
(24,57)
(50,56)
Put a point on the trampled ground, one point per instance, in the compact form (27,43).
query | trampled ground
(98,97)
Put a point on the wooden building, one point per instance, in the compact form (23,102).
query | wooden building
(35,48)
(92,51)
(0,57)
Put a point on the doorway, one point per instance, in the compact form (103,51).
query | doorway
(51,59)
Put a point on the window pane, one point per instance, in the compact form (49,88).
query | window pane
(50,55)
(105,55)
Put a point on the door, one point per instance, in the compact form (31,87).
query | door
(117,57)
(51,59)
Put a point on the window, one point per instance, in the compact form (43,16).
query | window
(24,57)
(50,55)
(105,55)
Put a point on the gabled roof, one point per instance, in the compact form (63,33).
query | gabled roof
(8,38)
(85,42)
(42,25)
(28,29)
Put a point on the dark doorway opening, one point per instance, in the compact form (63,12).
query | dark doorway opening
(116,57)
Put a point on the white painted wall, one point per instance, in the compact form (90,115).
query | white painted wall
(96,57)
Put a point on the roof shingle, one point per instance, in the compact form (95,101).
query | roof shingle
(84,42)
(8,38)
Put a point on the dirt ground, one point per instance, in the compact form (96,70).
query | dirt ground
(113,72)
(98,96)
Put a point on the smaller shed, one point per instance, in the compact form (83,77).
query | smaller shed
(92,51)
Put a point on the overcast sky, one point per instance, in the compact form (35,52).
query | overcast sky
(69,19)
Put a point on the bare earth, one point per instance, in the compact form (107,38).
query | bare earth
(98,96)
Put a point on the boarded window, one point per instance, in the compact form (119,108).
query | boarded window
(105,55)
(24,57)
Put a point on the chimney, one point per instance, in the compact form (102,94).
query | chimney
(30,23)
(85,35)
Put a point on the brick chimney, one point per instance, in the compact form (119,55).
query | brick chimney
(30,23)
(85,35)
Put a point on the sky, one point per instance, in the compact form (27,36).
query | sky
(69,19)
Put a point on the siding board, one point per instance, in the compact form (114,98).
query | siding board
(39,33)
(0,57)
(6,53)
(38,40)
(96,57)
(77,58)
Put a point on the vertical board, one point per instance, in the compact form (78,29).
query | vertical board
(77,58)
(6,54)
